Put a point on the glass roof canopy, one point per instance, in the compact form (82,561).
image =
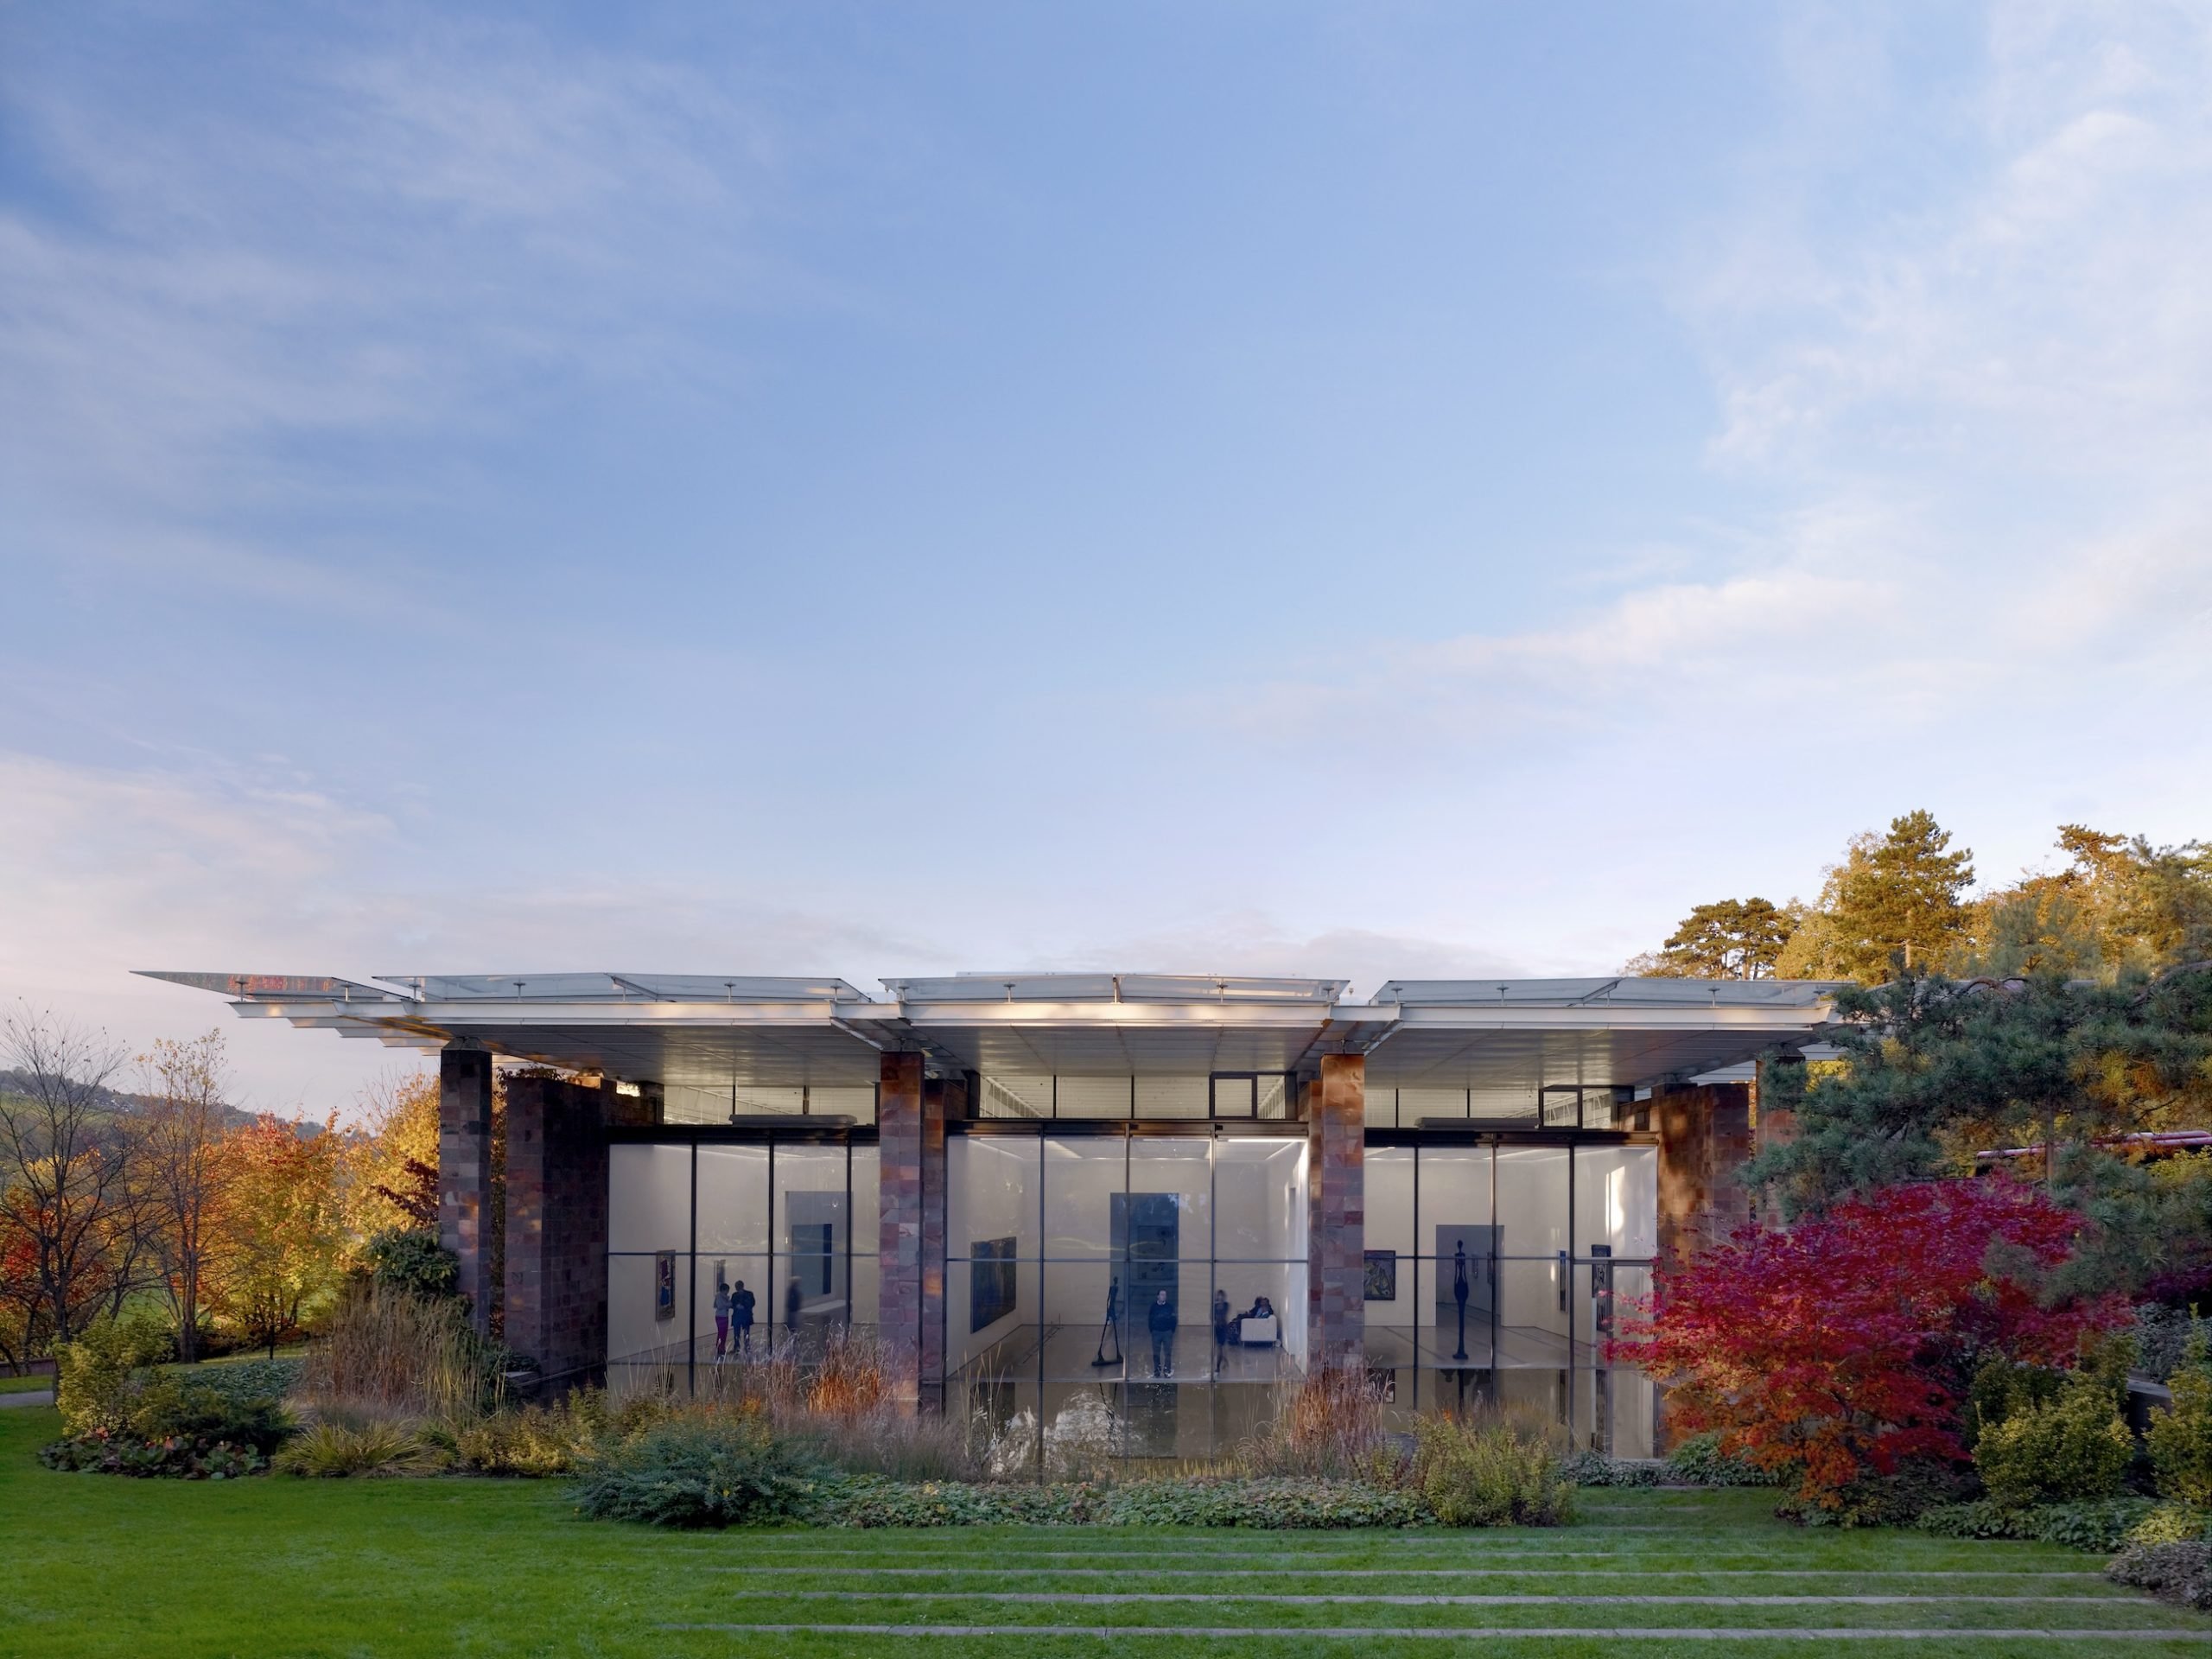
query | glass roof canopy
(709,1031)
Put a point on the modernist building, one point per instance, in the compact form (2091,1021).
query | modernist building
(1016,1181)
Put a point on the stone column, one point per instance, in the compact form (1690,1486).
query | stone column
(1705,1139)
(465,1172)
(899,1140)
(556,1289)
(1336,1129)
(941,1101)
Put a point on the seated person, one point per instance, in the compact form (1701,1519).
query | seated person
(1261,1308)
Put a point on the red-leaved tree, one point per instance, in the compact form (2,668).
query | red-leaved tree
(1846,1345)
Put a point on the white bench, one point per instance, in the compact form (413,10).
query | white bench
(1259,1331)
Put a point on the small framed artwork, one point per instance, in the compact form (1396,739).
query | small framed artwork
(1381,1276)
(664,1285)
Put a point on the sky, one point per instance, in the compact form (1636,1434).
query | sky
(1367,490)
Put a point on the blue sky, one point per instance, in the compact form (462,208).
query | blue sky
(1372,490)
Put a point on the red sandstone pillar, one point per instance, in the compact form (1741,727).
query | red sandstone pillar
(1705,1139)
(900,1244)
(1336,1129)
(465,1172)
(556,1277)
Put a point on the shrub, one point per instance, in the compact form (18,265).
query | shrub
(411,1261)
(1328,1426)
(537,1440)
(2170,1524)
(1840,1348)
(2180,1437)
(2163,1335)
(2179,1573)
(330,1449)
(2102,1525)
(246,1379)
(2004,1387)
(730,1468)
(1492,1470)
(2070,1448)
(165,1409)
(400,1353)
(1596,1469)
(100,1452)
(95,1375)
(1699,1461)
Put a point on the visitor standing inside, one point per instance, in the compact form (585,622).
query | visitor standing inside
(794,1304)
(1220,1329)
(1159,1319)
(740,1317)
(721,1319)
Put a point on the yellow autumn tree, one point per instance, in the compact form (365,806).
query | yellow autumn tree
(283,1234)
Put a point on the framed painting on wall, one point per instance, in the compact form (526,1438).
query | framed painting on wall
(664,1285)
(1381,1276)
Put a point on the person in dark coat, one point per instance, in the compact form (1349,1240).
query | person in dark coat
(794,1304)
(721,1319)
(740,1319)
(1159,1319)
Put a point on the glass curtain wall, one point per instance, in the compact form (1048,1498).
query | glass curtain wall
(720,1251)
(1123,1295)
(1494,1273)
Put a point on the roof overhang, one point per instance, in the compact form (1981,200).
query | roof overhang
(704,1032)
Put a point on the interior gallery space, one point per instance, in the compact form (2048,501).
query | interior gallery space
(1076,1204)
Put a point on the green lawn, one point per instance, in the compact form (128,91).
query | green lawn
(26,1384)
(97,1566)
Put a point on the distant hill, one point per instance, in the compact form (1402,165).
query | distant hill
(236,1117)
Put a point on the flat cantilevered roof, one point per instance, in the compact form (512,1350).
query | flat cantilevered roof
(707,1031)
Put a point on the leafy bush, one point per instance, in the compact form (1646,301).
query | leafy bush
(331,1450)
(96,1375)
(246,1379)
(403,1354)
(2072,1448)
(1841,1348)
(163,1408)
(541,1440)
(2163,1335)
(1491,1471)
(2171,1523)
(1699,1461)
(2102,1525)
(101,1452)
(1266,1503)
(2180,1437)
(721,1470)
(2179,1573)
(1596,1469)
(412,1261)
(2004,1387)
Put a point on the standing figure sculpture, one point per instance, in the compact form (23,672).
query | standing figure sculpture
(1460,1293)
(1112,1328)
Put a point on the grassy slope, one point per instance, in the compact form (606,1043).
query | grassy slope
(97,1566)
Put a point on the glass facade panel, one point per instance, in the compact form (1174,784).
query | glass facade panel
(1091,1096)
(836,1100)
(1015,1097)
(813,1239)
(1082,1175)
(1273,1097)
(649,1196)
(868,1236)
(1159,1097)
(1616,1200)
(1381,1108)
(1392,1272)
(733,1200)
